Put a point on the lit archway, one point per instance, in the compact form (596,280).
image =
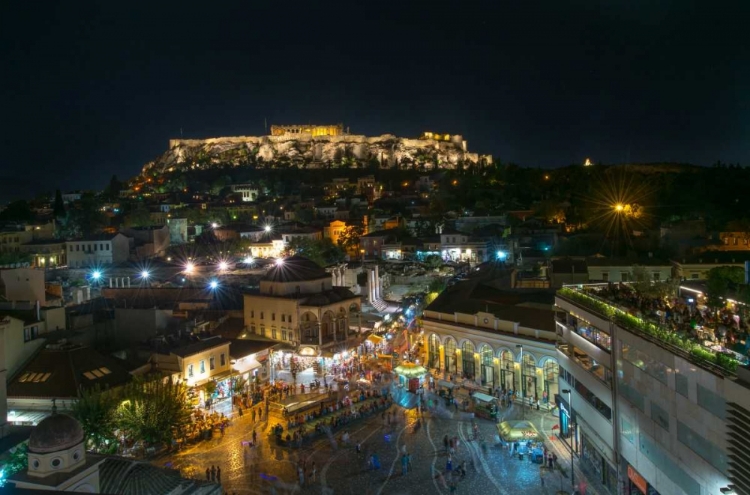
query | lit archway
(450,354)
(467,354)
(433,349)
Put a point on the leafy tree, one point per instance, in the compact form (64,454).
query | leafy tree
(210,388)
(433,261)
(112,191)
(153,410)
(16,462)
(139,217)
(349,237)
(84,219)
(95,410)
(323,252)
(718,283)
(59,207)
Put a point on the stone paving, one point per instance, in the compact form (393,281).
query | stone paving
(268,468)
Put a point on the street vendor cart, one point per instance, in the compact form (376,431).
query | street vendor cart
(485,406)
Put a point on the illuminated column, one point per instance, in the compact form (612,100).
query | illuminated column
(110,282)
(377,283)
(371,285)
(441,363)
(477,369)
(459,362)
(496,367)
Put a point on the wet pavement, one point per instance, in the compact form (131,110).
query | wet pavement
(268,468)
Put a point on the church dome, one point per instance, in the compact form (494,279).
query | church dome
(55,433)
(296,269)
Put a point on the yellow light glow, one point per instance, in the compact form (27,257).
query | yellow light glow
(619,207)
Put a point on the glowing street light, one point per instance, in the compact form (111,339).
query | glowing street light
(619,207)
(223,265)
(501,255)
(213,285)
(267,228)
(279,262)
(249,260)
(145,274)
(214,225)
(96,275)
(189,267)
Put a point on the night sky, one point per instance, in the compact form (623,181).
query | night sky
(95,89)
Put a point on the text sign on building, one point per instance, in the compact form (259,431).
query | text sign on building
(637,479)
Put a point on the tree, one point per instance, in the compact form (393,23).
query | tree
(433,261)
(718,283)
(112,191)
(95,410)
(59,207)
(139,216)
(153,410)
(323,252)
(349,237)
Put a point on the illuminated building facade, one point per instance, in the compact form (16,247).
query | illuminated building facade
(313,130)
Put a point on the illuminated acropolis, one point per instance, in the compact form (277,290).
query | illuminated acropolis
(312,130)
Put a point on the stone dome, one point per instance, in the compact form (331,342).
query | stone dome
(55,433)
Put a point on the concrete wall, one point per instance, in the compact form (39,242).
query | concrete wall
(22,284)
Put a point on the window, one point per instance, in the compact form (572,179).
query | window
(30,333)
(107,246)
(273,316)
(289,319)
(659,415)
(203,366)
(605,276)
(624,276)
(222,359)
(712,402)
(681,384)
(701,446)
(283,335)
(627,430)
(261,315)
(95,247)
(78,247)
(71,249)
(273,333)
(695,276)
(212,363)
(657,276)
(283,317)
(190,370)
(252,313)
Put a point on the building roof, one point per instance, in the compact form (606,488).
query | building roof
(97,237)
(714,257)
(44,242)
(62,371)
(295,269)
(602,261)
(55,433)
(200,346)
(239,348)
(382,233)
(332,296)
(128,477)
(569,265)
(27,316)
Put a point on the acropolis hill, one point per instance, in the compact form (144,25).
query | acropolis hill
(316,146)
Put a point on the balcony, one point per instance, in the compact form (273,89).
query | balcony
(602,373)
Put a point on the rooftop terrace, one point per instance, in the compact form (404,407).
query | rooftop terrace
(600,300)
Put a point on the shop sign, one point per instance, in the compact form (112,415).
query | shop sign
(637,479)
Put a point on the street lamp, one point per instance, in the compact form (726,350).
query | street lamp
(570,445)
(96,275)
(145,274)
(189,267)
(213,285)
(267,228)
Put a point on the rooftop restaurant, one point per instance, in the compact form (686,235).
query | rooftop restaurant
(715,338)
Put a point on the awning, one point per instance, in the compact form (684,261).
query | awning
(517,431)
(483,397)
(375,339)
(446,384)
(410,370)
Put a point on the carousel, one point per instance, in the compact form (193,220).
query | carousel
(411,375)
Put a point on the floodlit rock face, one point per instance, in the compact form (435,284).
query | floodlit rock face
(308,151)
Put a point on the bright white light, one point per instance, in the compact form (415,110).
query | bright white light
(268,228)
(279,262)
(145,274)
(214,225)
(501,255)
(214,284)
(249,260)
(223,265)
(96,275)
(189,267)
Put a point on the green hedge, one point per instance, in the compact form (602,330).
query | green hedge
(629,321)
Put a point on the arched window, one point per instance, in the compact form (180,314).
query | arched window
(450,355)
(434,351)
(488,370)
(467,353)
(551,387)
(528,372)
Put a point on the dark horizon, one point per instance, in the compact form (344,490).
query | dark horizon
(95,90)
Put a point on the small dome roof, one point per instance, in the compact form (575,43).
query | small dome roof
(55,433)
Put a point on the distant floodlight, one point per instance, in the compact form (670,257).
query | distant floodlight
(96,275)
(214,225)
(279,262)
(213,284)
(223,265)
(249,260)
(189,267)
(501,255)
(145,274)
(267,228)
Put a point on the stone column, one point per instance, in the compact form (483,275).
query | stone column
(459,361)
(110,282)
(371,285)
(377,283)
(117,283)
(441,364)
(128,282)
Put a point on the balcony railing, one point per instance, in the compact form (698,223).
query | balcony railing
(685,347)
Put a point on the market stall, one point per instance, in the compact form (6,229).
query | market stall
(411,375)
(485,406)
(522,437)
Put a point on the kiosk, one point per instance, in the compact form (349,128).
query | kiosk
(485,406)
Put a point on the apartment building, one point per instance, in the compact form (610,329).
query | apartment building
(646,415)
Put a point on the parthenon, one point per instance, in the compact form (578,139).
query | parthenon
(313,130)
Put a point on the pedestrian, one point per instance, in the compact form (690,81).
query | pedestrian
(404,464)
(445,443)
(240,409)
(213,473)
(208,474)
(218,474)
(301,474)
(449,464)
(314,471)
(408,461)
(255,437)
(359,448)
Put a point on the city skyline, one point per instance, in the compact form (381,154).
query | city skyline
(99,91)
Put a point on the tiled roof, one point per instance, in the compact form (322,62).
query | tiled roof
(127,477)
(200,346)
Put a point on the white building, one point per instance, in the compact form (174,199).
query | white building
(457,246)
(107,249)
(646,415)
(248,191)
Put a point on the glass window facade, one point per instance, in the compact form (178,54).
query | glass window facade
(707,450)
(450,355)
(712,402)
(681,384)
(584,392)
(643,361)
(659,415)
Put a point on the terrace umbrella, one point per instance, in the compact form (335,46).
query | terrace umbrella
(410,370)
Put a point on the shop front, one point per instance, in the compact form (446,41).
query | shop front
(568,427)
(637,484)
(593,458)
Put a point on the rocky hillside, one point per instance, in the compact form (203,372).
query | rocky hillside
(347,150)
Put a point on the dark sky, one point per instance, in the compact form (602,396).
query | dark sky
(92,89)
